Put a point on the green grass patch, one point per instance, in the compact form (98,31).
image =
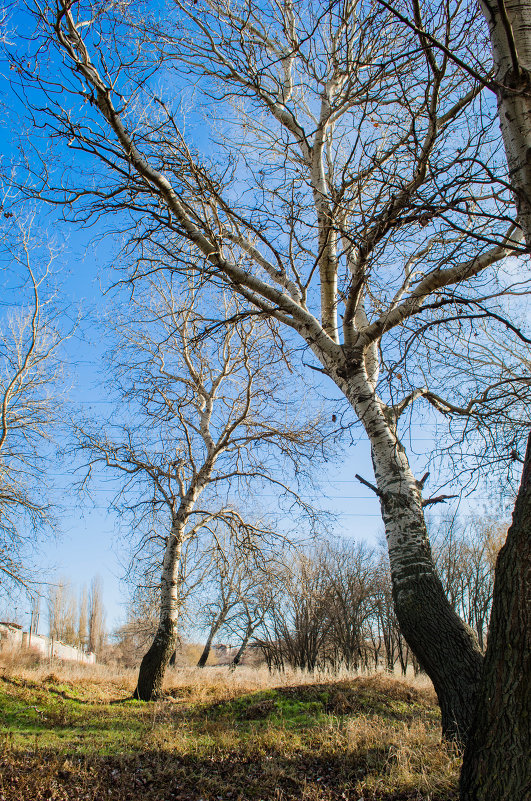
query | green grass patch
(370,738)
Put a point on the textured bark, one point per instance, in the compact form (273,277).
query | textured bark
(509,25)
(155,661)
(497,760)
(444,645)
(241,650)
(208,645)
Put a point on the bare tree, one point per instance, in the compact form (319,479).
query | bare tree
(506,678)
(508,25)
(255,603)
(62,613)
(96,617)
(297,624)
(238,598)
(357,200)
(351,576)
(465,555)
(211,419)
(496,763)
(228,574)
(30,396)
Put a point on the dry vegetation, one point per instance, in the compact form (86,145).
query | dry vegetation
(72,733)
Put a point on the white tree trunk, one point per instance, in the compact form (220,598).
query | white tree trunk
(510,34)
(155,661)
(446,648)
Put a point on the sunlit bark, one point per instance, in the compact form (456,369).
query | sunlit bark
(509,24)
(497,763)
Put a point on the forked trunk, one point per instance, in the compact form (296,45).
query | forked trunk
(497,760)
(444,645)
(155,661)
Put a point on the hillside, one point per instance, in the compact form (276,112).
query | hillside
(81,737)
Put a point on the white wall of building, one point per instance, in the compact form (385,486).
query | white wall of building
(13,637)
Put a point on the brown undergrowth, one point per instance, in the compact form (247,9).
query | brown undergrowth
(75,735)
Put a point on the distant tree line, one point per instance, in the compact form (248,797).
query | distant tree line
(331,606)
(326,607)
(77,621)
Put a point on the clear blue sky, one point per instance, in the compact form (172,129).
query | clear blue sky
(87,545)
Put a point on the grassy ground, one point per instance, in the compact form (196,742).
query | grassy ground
(77,736)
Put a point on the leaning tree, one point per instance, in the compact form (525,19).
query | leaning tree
(352,190)
(497,755)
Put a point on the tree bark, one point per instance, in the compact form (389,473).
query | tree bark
(206,651)
(241,650)
(208,645)
(444,645)
(509,24)
(155,661)
(497,760)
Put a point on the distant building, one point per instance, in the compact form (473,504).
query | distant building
(12,636)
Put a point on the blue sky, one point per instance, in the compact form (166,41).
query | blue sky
(88,545)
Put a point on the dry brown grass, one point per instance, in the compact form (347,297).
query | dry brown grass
(199,684)
(220,735)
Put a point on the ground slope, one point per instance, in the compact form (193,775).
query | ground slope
(362,738)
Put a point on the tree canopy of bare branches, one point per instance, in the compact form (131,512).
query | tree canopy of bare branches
(30,395)
(209,423)
(353,190)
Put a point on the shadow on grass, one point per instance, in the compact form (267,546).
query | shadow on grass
(227,776)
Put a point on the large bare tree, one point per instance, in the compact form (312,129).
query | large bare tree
(30,394)
(353,194)
(207,421)
(496,762)
(497,759)
(487,772)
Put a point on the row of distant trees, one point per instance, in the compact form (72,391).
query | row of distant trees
(333,607)
(325,607)
(77,621)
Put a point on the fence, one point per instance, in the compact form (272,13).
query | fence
(12,636)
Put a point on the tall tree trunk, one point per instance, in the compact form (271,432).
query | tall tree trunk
(509,25)
(244,643)
(445,646)
(497,760)
(155,661)
(208,645)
